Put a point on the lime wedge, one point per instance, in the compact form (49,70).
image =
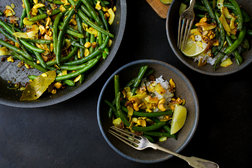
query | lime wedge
(193,48)
(178,118)
(166,2)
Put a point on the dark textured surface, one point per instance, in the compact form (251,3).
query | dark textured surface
(184,90)
(67,135)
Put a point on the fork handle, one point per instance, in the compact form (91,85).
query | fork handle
(192,2)
(192,161)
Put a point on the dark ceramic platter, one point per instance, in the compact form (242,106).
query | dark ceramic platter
(9,71)
(172,31)
(184,89)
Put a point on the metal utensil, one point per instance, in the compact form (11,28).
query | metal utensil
(185,24)
(141,143)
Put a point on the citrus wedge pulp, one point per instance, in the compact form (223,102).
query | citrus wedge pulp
(193,48)
(178,118)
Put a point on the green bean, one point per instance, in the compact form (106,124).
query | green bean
(92,12)
(76,44)
(78,72)
(8,36)
(222,34)
(61,35)
(105,53)
(238,13)
(27,7)
(26,44)
(40,11)
(32,77)
(1,13)
(92,39)
(85,10)
(82,78)
(218,60)
(31,47)
(43,16)
(209,9)
(91,56)
(111,109)
(149,138)
(69,82)
(117,102)
(200,8)
(82,41)
(159,134)
(41,61)
(38,17)
(144,114)
(155,126)
(55,32)
(238,57)
(77,67)
(39,41)
(90,23)
(57,2)
(237,42)
(75,34)
(138,80)
(31,63)
(70,55)
(23,15)
(153,114)
(15,49)
(165,127)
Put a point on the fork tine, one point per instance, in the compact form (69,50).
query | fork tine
(126,138)
(118,136)
(181,33)
(179,29)
(127,133)
(187,32)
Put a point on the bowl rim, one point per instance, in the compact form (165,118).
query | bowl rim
(242,66)
(179,73)
(91,81)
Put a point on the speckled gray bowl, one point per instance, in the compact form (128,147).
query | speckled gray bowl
(184,89)
(172,31)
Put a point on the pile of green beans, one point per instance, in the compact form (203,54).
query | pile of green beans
(229,45)
(72,59)
(118,110)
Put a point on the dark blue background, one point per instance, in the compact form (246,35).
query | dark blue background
(67,135)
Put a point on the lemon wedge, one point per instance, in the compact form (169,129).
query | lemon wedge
(166,2)
(193,48)
(178,118)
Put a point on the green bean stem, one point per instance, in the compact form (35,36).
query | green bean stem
(138,80)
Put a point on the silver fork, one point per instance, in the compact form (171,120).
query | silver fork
(185,24)
(141,143)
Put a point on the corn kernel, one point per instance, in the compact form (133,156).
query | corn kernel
(87,44)
(86,53)
(10,59)
(27,66)
(58,85)
(77,78)
(54,91)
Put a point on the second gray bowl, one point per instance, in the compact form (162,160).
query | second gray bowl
(184,89)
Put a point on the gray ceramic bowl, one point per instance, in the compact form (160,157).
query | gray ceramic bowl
(184,89)
(172,31)
(9,71)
